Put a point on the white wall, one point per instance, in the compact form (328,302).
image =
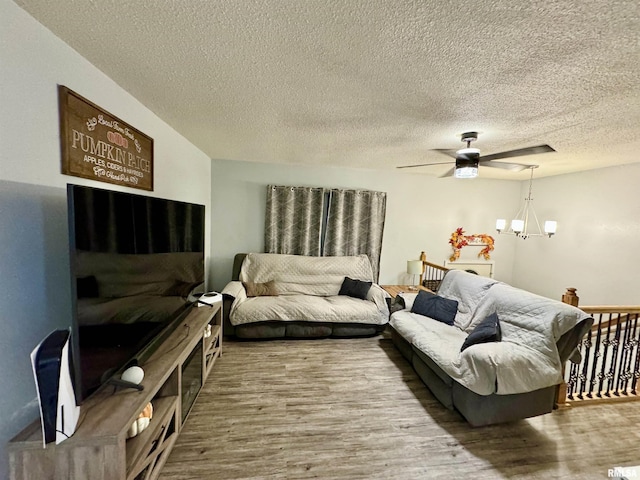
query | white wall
(35,293)
(422,212)
(596,249)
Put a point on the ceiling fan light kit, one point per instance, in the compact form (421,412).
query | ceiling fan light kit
(467,160)
(526,218)
(466,172)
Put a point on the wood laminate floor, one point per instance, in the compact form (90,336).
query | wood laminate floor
(355,409)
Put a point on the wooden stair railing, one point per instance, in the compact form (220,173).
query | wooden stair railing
(610,366)
(432,274)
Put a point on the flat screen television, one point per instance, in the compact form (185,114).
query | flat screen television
(136,263)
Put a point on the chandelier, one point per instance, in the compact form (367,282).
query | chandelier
(525,223)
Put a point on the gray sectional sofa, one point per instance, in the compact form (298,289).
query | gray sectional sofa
(491,381)
(277,296)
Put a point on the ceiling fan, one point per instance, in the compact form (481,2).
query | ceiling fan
(468,159)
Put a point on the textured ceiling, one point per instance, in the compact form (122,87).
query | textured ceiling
(374,84)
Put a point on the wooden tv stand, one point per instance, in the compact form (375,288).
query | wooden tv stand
(99,449)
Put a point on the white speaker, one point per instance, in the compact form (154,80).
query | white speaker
(133,375)
(209,298)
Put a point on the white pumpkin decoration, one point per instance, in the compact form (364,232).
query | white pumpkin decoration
(142,422)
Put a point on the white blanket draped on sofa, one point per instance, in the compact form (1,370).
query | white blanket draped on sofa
(307,290)
(526,358)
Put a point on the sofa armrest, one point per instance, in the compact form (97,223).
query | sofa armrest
(237,265)
(227,328)
(379,296)
(232,293)
(568,343)
(509,367)
(235,290)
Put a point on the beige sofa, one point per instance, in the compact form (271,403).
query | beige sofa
(307,301)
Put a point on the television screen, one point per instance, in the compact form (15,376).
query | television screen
(135,263)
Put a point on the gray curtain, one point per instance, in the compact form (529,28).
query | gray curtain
(294,219)
(355,223)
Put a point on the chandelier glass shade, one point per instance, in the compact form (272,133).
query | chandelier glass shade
(525,223)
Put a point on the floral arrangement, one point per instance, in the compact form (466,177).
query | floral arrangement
(459,239)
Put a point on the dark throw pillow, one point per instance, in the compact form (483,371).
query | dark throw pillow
(267,289)
(355,288)
(436,307)
(488,330)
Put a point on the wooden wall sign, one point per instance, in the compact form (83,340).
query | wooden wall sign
(100,146)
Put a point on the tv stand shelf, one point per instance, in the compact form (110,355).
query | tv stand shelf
(99,449)
(149,445)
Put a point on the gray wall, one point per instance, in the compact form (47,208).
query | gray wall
(35,289)
(35,293)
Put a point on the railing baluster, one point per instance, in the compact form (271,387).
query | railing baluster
(614,371)
(636,369)
(597,354)
(585,380)
(577,371)
(625,363)
(612,350)
(571,379)
(610,366)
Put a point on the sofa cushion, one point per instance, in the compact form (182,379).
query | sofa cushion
(309,308)
(436,307)
(437,340)
(408,325)
(266,289)
(469,290)
(355,288)
(306,275)
(488,330)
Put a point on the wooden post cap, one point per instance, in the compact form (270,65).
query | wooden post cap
(570,297)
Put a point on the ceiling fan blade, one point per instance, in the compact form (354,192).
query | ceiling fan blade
(517,153)
(513,167)
(424,165)
(448,173)
(446,151)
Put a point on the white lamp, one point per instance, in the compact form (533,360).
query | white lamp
(414,267)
